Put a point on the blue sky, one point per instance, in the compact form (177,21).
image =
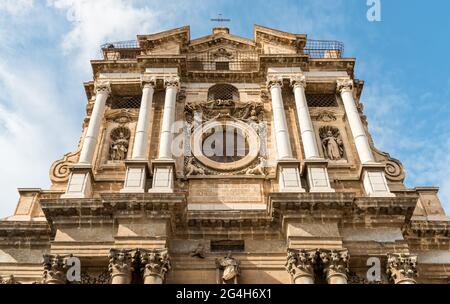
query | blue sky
(46,46)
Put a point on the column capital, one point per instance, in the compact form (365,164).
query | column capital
(274,81)
(335,262)
(402,268)
(172,81)
(120,266)
(344,85)
(301,262)
(55,267)
(298,80)
(155,263)
(148,81)
(102,86)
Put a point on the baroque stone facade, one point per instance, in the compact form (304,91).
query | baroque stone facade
(226,160)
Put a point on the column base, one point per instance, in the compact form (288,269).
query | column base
(163,176)
(317,176)
(135,176)
(80,182)
(289,176)
(374,180)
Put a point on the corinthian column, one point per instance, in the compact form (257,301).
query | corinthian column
(402,269)
(288,169)
(155,264)
(137,167)
(55,268)
(163,174)
(102,91)
(165,144)
(300,265)
(317,172)
(80,179)
(372,173)
(335,265)
(121,265)
(279,119)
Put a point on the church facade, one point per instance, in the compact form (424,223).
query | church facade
(226,160)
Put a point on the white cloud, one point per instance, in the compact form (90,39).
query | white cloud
(16,7)
(96,22)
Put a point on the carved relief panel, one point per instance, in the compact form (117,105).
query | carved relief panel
(224,136)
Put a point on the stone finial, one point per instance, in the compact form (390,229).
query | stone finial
(300,263)
(402,269)
(155,263)
(55,268)
(335,264)
(274,81)
(102,86)
(121,265)
(299,80)
(344,85)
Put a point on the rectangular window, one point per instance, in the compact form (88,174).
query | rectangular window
(227,245)
(321,100)
(222,66)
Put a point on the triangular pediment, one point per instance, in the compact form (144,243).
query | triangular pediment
(172,42)
(221,39)
(272,41)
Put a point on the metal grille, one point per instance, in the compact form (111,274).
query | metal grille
(223,60)
(223,92)
(125,102)
(227,245)
(238,61)
(321,100)
(324,48)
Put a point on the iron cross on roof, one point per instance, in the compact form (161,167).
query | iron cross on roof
(220,19)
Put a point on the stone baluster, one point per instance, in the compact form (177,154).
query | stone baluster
(335,265)
(402,269)
(300,265)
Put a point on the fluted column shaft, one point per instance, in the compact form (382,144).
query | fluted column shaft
(345,87)
(140,148)
(165,144)
(103,90)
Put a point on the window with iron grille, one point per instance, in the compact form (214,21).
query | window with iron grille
(222,66)
(227,246)
(223,92)
(125,102)
(321,100)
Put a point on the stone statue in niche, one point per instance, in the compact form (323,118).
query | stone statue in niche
(119,144)
(230,268)
(333,147)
